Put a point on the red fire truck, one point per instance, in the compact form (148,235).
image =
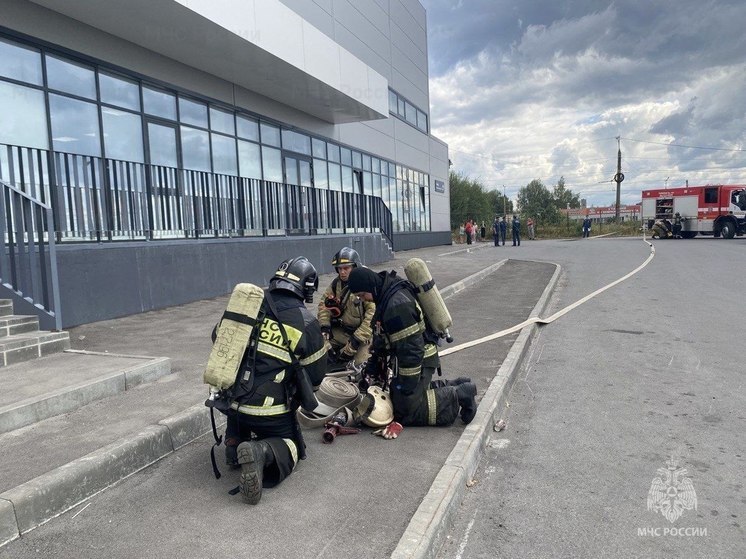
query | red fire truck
(718,210)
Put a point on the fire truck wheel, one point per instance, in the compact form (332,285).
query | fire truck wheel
(728,229)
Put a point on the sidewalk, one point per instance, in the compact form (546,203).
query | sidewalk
(154,419)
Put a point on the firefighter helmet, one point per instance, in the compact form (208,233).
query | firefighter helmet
(383,412)
(346,257)
(298,276)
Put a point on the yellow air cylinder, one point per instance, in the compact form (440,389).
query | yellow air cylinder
(429,297)
(234,332)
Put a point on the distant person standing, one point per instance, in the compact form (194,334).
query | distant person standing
(516,231)
(586,227)
(496,231)
(482,231)
(468,230)
(530,225)
(503,229)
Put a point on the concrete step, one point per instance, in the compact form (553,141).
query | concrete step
(13,324)
(18,348)
(49,466)
(36,390)
(6,307)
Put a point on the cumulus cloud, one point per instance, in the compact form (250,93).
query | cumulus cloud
(524,89)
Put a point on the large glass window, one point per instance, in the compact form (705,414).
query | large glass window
(222,121)
(24,116)
(320,177)
(224,154)
(319,148)
(119,91)
(271,164)
(192,112)
(248,128)
(195,149)
(249,160)
(270,134)
(293,141)
(333,153)
(20,63)
(335,177)
(162,145)
(74,125)
(122,135)
(159,103)
(71,78)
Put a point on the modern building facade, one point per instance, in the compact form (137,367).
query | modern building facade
(182,146)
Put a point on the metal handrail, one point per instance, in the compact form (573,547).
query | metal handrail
(28,262)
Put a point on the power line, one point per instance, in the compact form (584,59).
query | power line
(682,145)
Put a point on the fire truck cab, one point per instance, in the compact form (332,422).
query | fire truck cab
(718,210)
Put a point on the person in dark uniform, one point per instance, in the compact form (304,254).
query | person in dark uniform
(586,227)
(262,434)
(496,231)
(516,226)
(343,316)
(402,339)
(677,225)
(503,229)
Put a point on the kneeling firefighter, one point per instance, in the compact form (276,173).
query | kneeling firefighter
(343,316)
(283,360)
(403,338)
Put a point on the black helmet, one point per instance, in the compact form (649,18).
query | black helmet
(298,276)
(346,257)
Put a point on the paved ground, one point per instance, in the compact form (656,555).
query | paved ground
(649,369)
(162,511)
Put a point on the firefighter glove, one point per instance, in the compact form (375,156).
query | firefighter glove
(391,431)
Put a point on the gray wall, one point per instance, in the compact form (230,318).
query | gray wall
(103,281)
(411,241)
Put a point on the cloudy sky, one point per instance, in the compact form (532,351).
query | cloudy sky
(525,89)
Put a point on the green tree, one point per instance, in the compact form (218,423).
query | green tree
(470,200)
(535,201)
(563,196)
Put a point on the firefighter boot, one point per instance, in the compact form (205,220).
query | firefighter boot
(253,456)
(466,393)
(231,453)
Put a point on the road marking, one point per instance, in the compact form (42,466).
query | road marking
(555,316)
(462,545)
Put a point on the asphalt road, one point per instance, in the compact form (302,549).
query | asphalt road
(649,369)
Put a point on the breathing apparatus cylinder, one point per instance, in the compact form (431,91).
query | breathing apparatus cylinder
(233,334)
(429,297)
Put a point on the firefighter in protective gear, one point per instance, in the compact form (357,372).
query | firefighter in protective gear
(262,434)
(401,337)
(344,317)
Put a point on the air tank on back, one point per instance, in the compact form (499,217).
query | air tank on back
(429,297)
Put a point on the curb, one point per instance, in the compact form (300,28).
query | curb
(63,400)
(434,517)
(45,497)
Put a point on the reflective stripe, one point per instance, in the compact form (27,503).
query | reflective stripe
(430,350)
(314,356)
(408,331)
(285,274)
(410,371)
(260,410)
(293,450)
(272,351)
(268,401)
(279,377)
(432,407)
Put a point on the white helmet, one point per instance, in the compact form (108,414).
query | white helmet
(383,412)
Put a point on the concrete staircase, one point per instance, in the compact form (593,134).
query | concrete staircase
(21,340)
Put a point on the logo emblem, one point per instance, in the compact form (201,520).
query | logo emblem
(284,266)
(671,493)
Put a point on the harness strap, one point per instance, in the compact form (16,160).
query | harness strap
(218,440)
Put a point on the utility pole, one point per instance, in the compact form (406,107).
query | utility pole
(619,177)
(505,202)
